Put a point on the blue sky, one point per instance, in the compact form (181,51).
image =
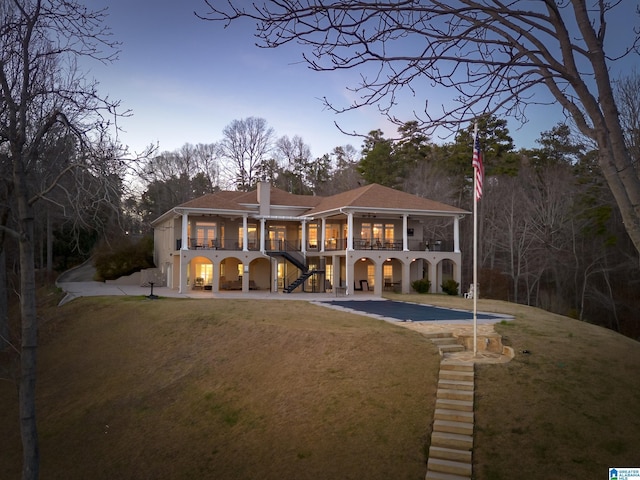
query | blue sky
(186,79)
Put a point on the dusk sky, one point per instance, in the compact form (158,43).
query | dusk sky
(185,79)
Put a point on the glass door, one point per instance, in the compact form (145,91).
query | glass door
(277,237)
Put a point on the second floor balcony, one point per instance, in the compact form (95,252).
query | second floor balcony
(331,244)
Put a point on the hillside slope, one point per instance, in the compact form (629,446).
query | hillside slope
(230,389)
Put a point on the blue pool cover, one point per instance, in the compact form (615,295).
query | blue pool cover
(412,311)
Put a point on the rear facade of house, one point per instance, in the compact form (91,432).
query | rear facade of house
(369,239)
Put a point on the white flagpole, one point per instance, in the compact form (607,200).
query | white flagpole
(475,250)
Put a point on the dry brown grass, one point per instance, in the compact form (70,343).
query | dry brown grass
(226,389)
(570,408)
(232,389)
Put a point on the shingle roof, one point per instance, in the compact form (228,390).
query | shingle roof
(280,197)
(370,196)
(378,196)
(225,200)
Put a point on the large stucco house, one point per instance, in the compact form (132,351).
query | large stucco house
(372,238)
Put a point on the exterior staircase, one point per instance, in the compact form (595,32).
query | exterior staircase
(297,259)
(300,280)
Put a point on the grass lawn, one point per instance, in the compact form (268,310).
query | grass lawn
(225,389)
(233,389)
(569,408)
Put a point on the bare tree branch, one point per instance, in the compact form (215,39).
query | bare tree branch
(495,56)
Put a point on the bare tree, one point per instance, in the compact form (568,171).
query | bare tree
(428,179)
(42,89)
(495,56)
(207,156)
(245,146)
(628,97)
(345,175)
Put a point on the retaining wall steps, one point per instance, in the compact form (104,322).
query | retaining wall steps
(452,404)
(449,466)
(450,453)
(433,475)
(445,341)
(446,383)
(453,415)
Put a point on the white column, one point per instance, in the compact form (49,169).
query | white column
(348,271)
(323,228)
(456,234)
(185,232)
(349,233)
(182,288)
(215,284)
(379,278)
(406,276)
(245,234)
(274,271)
(405,238)
(262,234)
(303,247)
(433,276)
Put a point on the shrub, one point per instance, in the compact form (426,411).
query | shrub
(421,286)
(450,287)
(124,260)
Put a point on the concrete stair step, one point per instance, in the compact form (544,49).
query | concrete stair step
(451,348)
(455,384)
(445,476)
(456,365)
(449,466)
(449,426)
(453,404)
(445,341)
(452,440)
(450,454)
(453,415)
(455,394)
(432,335)
(457,375)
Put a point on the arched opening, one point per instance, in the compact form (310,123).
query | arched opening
(200,273)
(231,272)
(392,275)
(364,275)
(259,274)
(446,270)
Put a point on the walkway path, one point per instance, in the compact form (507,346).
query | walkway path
(451,449)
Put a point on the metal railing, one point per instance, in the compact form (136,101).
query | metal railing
(333,244)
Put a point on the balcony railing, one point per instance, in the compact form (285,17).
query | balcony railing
(226,243)
(396,244)
(332,244)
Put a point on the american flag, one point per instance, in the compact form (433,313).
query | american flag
(478,168)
